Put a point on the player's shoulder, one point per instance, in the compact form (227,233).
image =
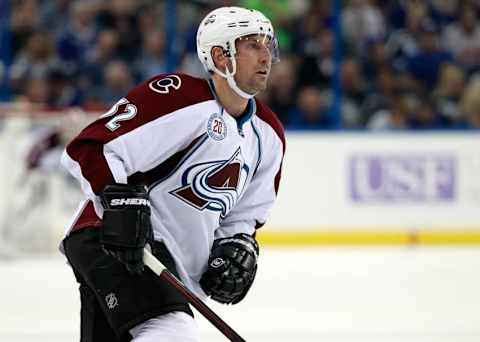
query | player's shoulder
(180,83)
(271,119)
(166,93)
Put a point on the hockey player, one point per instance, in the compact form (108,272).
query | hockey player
(188,167)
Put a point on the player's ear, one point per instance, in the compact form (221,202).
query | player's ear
(219,58)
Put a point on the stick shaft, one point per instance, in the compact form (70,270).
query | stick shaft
(158,268)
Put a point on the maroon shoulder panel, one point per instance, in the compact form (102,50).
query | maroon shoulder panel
(167,93)
(266,114)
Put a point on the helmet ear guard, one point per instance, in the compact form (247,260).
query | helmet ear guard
(227,53)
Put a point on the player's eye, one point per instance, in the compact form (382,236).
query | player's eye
(255,44)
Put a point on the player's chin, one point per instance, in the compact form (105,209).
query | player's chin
(256,87)
(261,85)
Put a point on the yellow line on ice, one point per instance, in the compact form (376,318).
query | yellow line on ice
(293,238)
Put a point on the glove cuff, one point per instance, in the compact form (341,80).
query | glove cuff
(246,241)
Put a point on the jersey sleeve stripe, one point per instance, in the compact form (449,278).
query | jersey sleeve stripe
(75,168)
(90,164)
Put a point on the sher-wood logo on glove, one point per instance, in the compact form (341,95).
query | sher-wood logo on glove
(129,201)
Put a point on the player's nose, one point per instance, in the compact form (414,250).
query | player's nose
(265,58)
(264,55)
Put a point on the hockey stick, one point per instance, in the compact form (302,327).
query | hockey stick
(159,269)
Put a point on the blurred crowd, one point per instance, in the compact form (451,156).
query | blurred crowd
(399,64)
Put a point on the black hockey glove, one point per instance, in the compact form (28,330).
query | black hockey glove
(126,224)
(232,266)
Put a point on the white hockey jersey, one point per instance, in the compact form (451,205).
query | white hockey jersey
(209,174)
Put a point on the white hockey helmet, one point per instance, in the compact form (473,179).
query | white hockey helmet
(222,27)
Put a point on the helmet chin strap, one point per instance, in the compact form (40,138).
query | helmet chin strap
(231,81)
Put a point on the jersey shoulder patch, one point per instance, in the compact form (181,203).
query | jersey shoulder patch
(165,84)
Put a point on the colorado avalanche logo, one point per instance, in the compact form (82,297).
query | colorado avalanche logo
(215,185)
(163,85)
(216,127)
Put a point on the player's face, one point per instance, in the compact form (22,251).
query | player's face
(254,61)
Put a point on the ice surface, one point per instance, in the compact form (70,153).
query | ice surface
(321,294)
